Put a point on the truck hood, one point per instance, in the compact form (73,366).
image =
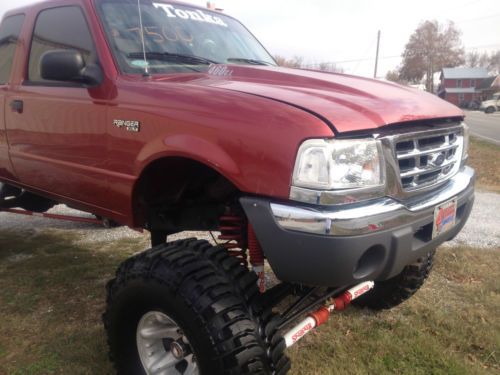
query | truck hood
(349,103)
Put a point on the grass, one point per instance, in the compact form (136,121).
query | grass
(452,326)
(484,157)
(51,299)
(52,293)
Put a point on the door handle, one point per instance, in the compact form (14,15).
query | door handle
(17,106)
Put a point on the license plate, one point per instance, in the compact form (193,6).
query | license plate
(444,217)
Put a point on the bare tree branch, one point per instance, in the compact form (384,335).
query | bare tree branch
(430,48)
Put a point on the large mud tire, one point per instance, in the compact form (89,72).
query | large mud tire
(175,280)
(244,283)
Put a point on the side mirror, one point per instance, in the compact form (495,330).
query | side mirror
(69,66)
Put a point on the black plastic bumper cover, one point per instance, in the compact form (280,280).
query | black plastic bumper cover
(323,260)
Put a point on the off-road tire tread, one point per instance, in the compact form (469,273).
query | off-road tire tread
(204,288)
(245,284)
(391,293)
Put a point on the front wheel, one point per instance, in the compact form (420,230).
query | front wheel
(490,110)
(169,311)
(390,293)
(162,345)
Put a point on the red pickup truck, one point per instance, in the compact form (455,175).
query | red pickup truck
(169,117)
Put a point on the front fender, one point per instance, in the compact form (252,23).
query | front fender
(190,147)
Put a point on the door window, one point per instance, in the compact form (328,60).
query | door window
(63,28)
(9,35)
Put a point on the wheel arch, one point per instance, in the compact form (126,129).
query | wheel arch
(171,170)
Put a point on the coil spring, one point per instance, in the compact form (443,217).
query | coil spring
(232,229)
(254,248)
(256,258)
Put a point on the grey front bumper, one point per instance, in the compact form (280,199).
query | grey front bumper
(342,245)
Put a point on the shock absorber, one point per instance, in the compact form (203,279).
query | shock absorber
(256,258)
(232,229)
(320,316)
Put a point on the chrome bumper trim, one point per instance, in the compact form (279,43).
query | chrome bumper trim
(370,216)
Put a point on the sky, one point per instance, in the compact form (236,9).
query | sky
(345,32)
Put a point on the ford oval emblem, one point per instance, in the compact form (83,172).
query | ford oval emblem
(438,159)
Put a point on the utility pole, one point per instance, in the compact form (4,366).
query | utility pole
(376,56)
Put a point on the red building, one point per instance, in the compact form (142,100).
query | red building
(460,86)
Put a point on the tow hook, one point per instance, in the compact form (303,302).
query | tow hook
(320,316)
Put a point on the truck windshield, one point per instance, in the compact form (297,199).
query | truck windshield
(177,38)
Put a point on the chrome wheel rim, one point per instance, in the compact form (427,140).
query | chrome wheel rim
(157,333)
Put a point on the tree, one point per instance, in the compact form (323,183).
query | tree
(330,67)
(475,59)
(472,59)
(494,63)
(296,62)
(490,61)
(393,76)
(430,48)
(280,60)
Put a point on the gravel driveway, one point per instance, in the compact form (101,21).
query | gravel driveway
(482,229)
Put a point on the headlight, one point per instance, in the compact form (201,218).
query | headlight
(339,164)
(465,152)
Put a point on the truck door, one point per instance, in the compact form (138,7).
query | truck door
(9,36)
(57,132)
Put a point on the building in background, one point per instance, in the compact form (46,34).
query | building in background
(489,87)
(461,86)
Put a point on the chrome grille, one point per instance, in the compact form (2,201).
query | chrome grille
(427,158)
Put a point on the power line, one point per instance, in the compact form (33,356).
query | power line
(364,54)
(478,18)
(484,46)
(355,60)
(393,56)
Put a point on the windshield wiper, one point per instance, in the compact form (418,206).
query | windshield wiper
(249,61)
(173,57)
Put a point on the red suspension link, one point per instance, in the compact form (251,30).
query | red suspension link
(239,236)
(232,229)
(254,248)
(256,258)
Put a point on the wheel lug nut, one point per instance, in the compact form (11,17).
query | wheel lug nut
(177,350)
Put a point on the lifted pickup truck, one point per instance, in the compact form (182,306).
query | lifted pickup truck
(168,117)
